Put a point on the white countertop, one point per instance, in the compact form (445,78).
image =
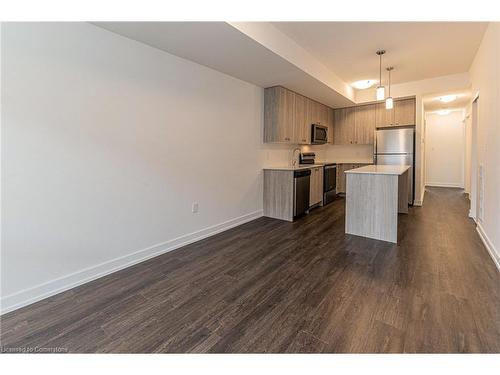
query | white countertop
(346,161)
(315,165)
(381,169)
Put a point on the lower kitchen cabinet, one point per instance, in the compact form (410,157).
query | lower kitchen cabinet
(341,178)
(316,186)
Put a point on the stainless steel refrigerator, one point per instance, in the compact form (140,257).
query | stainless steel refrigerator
(397,147)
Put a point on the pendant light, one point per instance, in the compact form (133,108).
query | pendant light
(389,103)
(380,87)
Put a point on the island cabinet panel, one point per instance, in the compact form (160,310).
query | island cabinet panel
(279,110)
(372,206)
(344,128)
(316,186)
(364,120)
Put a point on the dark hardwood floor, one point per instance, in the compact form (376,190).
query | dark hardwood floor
(273,286)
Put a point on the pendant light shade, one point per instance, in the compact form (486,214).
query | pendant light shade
(380,92)
(389,102)
(380,87)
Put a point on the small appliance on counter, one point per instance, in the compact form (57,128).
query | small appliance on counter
(329,183)
(307,158)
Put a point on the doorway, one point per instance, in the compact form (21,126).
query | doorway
(444,151)
(473,162)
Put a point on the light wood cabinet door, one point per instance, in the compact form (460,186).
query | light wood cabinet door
(404,112)
(339,188)
(279,111)
(323,115)
(316,186)
(341,168)
(344,128)
(301,125)
(384,117)
(364,120)
(330,124)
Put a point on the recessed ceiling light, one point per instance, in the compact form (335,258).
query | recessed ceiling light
(364,84)
(447,98)
(443,112)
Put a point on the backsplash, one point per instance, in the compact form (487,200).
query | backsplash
(281,154)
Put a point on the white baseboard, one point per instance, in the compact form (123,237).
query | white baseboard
(471,215)
(444,184)
(420,202)
(495,255)
(34,294)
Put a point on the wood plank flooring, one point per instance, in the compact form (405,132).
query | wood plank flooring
(270,286)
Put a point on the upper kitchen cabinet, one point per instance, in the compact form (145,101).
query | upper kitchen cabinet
(302,120)
(364,124)
(279,111)
(402,114)
(330,122)
(344,123)
(319,113)
(384,117)
(288,116)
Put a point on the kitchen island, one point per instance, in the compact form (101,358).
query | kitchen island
(375,194)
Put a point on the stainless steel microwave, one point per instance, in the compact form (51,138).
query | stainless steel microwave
(319,134)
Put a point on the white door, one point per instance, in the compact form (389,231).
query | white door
(444,150)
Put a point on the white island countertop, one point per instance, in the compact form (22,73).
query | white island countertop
(381,169)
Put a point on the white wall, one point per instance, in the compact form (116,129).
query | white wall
(485,78)
(106,143)
(444,151)
(468,148)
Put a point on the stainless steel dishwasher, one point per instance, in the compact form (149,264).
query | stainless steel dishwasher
(301,184)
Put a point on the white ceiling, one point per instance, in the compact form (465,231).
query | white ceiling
(417,50)
(222,47)
(432,102)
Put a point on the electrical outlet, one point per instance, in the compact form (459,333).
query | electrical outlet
(194,208)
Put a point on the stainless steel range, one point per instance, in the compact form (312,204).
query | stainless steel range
(329,183)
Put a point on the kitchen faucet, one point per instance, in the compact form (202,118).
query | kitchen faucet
(294,159)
